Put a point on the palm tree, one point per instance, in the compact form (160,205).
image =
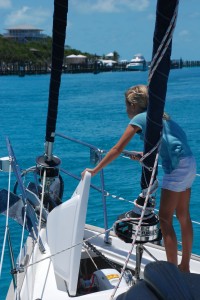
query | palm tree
(116,56)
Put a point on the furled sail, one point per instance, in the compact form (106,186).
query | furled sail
(48,163)
(166,14)
(58,42)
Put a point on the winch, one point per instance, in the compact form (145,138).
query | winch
(149,231)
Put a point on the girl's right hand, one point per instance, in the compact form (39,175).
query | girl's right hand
(136,156)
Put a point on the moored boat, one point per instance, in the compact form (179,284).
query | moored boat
(137,63)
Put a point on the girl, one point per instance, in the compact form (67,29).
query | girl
(179,167)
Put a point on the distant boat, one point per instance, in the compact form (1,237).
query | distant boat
(96,67)
(138,63)
(21,71)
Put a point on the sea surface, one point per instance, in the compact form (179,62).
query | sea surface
(91,109)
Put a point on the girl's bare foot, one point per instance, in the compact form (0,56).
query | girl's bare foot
(184,269)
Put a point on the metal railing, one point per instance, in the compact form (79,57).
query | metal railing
(98,154)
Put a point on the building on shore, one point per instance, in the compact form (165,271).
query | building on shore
(25,33)
(109,56)
(76,59)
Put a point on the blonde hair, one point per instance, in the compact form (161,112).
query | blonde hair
(139,94)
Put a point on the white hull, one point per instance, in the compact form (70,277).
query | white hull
(136,67)
(40,281)
(81,261)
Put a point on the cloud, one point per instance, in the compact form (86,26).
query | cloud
(5,4)
(110,6)
(151,17)
(27,15)
(136,5)
(184,33)
(194,15)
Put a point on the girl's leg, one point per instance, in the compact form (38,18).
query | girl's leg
(168,204)
(183,215)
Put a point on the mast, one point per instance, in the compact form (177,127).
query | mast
(58,43)
(166,14)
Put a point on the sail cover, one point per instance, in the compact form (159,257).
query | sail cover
(58,42)
(162,43)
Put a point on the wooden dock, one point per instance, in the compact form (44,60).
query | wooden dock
(22,69)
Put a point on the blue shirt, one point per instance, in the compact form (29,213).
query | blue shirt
(174,144)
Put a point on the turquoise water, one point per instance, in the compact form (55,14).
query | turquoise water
(92,109)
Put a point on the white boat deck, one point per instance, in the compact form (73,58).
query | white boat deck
(41,282)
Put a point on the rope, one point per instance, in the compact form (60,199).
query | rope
(88,253)
(7,216)
(170,28)
(152,70)
(22,236)
(69,248)
(133,202)
(137,229)
(41,203)
(157,146)
(197,174)
(135,218)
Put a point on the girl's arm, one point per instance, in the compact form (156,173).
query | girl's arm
(115,151)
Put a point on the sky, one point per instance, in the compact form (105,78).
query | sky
(103,26)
